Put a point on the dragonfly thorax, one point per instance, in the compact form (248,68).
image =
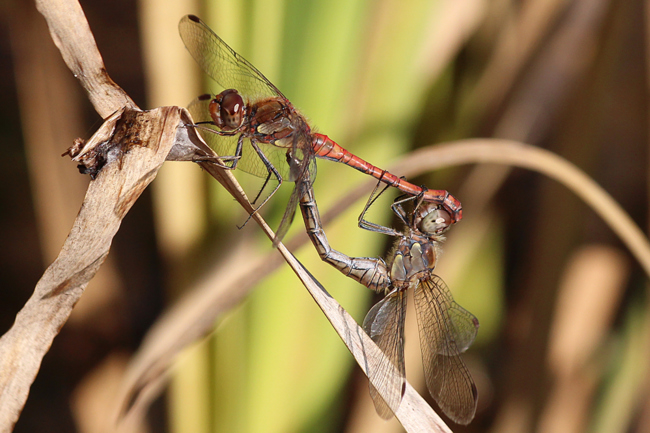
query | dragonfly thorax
(227,110)
(275,121)
(412,258)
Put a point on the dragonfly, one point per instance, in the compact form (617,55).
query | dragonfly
(446,329)
(255,128)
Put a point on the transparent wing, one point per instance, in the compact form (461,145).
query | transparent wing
(292,157)
(304,181)
(384,323)
(446,330)
(225,145)
(222,63)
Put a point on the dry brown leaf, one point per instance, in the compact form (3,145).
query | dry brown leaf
(107,201)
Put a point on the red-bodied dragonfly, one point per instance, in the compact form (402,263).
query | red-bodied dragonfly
(446,329)
(255,127)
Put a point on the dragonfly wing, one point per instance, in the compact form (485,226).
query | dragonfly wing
(277,156)
(301,159)
(446,330)
(464,325)
(312,169)
(222,63)
(289,213)
(303,181)
(384,323)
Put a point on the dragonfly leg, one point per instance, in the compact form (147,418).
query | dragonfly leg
(398,209)
(371,272)
(373,227)
(227,158)
(272,172)
(238,153)
(266,181)
(216,161)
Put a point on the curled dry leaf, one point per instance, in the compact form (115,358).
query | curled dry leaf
(109,197)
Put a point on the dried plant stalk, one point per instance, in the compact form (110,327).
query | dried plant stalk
(107,201)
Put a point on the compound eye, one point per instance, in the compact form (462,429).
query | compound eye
(435,222)
(232,109)
(227,110)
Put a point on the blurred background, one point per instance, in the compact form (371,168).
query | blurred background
(564,341)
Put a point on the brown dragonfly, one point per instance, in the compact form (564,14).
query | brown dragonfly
(446,329)
(255,128)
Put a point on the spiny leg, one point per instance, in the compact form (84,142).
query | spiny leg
(367,225)
(238,152)
(266,181)
(397,208)
(272,170)
(227,158)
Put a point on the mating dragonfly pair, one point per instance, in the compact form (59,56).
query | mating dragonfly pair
(255,128)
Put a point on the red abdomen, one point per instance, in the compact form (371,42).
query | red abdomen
(325,148)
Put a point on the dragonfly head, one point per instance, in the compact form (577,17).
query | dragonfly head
(227,110)
(432,220)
